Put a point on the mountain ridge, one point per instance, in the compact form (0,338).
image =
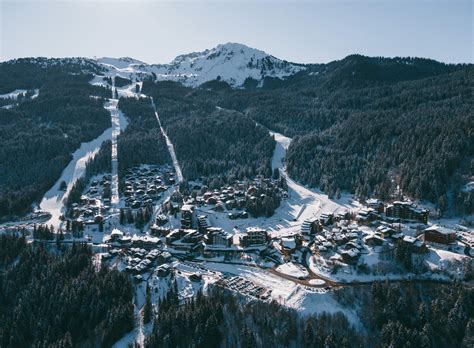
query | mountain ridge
(241,66)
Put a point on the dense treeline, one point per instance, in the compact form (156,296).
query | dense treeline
(368,124)
(11,246)
(415,315)
(142,141)
(393,315)
(209,140)
(62,300)
(31,73)
(121,81)
(419,134)
(38,136)
(219,319)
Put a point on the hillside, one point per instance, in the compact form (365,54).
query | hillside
(366,125)
(363,124)
(231,62)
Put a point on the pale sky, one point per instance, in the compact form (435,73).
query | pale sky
(300,31)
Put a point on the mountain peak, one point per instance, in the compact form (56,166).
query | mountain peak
(231,62)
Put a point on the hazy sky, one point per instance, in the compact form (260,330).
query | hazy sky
(299,31)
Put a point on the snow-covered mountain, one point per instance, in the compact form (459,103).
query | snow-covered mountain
(230,62)
(119,63)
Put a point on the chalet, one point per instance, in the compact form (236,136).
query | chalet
(191,236)
(385,231)
(159,231)
(367,215)
(345,215)
(310,226)
(373,240)
(352,235)
(339,238)
(163,270)
(417,246)
(439,234)
(397,236)
(161,220)
(145,241)
(291,243)
(115,235)
(164,257)
(350,256)
(375,204)
(326,219)
(219,206)
(125,240)
(174,235)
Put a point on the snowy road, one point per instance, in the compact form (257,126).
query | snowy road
(176,166)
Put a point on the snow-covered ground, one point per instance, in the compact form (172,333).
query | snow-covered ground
(13,95)
(293,270)
(303,299)
(449,262)
(230,62)
(302,203)
(53,201)
(170,145)
(119,123)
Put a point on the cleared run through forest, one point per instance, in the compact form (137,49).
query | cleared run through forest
(177,168)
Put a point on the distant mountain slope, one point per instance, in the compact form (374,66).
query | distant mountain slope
(119,63)
(370,125)
(231,62)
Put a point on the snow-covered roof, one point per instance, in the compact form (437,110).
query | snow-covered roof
(440,229)
(288,242)
(116,232)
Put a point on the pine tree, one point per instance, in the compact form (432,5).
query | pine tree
(147,309)
(63,186)
(122,216)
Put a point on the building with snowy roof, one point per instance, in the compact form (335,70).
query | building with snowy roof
(439,234)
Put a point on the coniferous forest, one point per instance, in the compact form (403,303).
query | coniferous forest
(38,136)
(209,140)
(366,125)
(393,315)
(142,141)
(59,298)
(220,319)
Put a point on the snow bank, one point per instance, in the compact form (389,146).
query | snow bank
(293,270)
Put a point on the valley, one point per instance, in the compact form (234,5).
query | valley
(249,179)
